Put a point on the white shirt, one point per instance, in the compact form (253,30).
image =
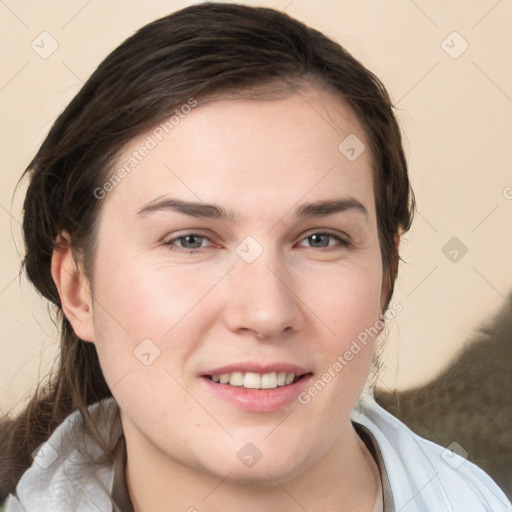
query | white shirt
(417,475)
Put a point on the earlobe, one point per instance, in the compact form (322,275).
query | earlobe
(73,288)
(396,239)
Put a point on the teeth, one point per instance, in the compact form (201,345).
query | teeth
(236,379)
(269,380)
(251,380)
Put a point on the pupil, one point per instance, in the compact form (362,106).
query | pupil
(316,237)
(192,237)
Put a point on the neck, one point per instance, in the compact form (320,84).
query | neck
(345,478)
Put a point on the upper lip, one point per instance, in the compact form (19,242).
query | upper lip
(278,366)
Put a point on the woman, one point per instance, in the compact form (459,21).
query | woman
(216,216)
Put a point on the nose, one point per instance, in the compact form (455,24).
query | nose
(261,300)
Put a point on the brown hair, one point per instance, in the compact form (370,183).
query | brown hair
(197,52)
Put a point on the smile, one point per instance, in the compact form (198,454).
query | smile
(253,380)
(257,388)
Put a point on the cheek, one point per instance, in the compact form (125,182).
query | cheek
(139,300)
(132,316)
(348,304)
(148,300)
(145,312)
(346,300)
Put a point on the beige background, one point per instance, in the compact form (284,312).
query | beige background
(457,118)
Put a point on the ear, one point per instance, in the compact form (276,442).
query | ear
(74,289)
(391,274)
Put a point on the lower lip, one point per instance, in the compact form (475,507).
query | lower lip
(258,400)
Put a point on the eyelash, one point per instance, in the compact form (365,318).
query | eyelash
(343,243)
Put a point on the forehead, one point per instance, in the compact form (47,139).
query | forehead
(262,153)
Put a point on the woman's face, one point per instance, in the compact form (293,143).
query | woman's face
(213,259)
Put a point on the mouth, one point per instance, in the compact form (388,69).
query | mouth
(253,387)
(254,380)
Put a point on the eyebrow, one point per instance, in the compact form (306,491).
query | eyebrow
(212,211)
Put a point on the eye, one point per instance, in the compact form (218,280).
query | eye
(319,240)
(189,242)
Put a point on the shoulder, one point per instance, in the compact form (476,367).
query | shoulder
(69,471)
(423,475)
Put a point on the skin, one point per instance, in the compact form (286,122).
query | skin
(299,302)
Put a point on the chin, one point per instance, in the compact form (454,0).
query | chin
(268,467)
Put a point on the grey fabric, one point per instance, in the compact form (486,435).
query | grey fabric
(374,449)
(417,475)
